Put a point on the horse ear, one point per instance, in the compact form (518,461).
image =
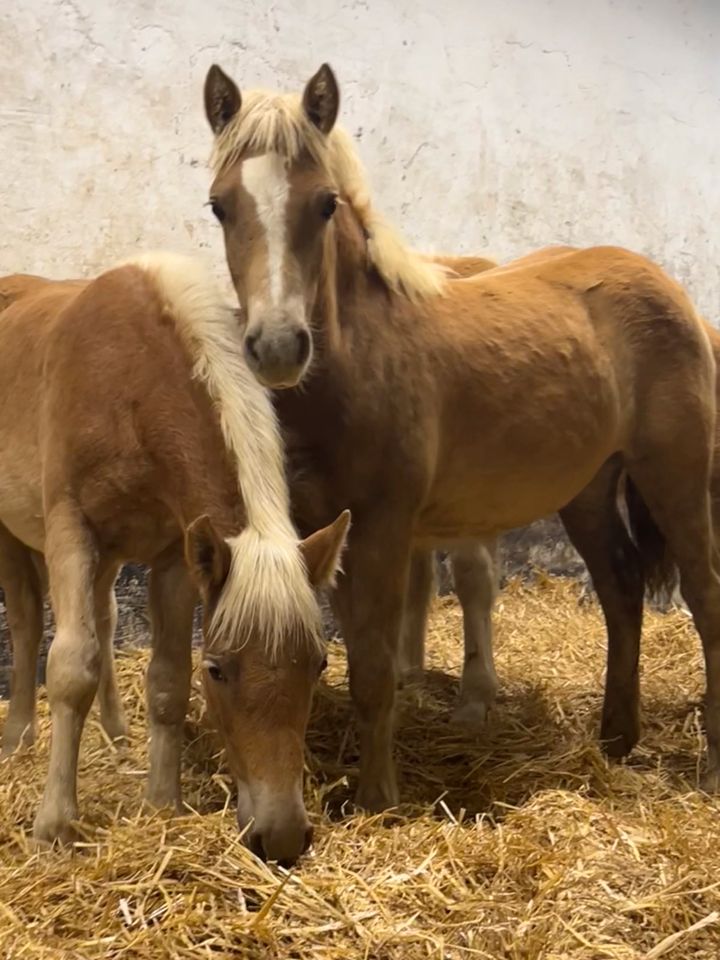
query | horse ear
(321,99)
(207,556)
(222,99)
(322,551)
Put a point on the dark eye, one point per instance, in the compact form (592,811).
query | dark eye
(329,206)
(217,209)
(214,671)
(323,666)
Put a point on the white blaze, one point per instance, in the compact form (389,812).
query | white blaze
(265,179)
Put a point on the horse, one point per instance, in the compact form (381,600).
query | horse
(447,410)
(131,429)
(474,566)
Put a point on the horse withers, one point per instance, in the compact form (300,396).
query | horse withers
(131,429)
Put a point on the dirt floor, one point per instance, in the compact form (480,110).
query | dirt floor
(520,843)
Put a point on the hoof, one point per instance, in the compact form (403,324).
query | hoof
(471,715)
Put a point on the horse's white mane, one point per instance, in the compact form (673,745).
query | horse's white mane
(267,592)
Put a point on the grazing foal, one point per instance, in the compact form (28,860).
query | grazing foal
(444,410)
(130,428)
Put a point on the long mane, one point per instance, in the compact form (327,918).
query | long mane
(276,123)
(267,592)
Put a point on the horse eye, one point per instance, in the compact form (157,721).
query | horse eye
(215,672)
(217,209)
(329,206)
(323,666)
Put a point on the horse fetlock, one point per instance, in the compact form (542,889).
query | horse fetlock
(620,728)
(377,792)
(472,715)
(164,795)
(18,732)
(54,822)
(115,724)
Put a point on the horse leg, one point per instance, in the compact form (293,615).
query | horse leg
(73,669)
(596,530)
(172,600)
(676,494)
(421,587)
(112,714)
(474,574)
(370,604)
(24,607)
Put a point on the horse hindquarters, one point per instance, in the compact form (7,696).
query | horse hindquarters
(669,460)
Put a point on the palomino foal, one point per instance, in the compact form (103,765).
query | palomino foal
(444,410)
(130,428)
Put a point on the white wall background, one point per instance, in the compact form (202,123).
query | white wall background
(496,125)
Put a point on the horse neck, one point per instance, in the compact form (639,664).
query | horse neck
(346,282)
(200,470)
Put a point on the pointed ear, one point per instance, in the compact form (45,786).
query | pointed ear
(321,99)
(322,551)
(222,99)
(207,556)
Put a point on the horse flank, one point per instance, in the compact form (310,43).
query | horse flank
(276,123)
(267,590)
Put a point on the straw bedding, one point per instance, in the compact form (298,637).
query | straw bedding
(521,843)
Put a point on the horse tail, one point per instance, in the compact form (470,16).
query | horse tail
(658,564)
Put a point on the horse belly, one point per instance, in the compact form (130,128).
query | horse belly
(504,464)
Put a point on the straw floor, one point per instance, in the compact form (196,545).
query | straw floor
(522,843)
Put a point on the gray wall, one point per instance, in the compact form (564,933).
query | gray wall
(494,125)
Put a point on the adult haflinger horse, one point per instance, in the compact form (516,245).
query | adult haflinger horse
(130,428)
(443,410)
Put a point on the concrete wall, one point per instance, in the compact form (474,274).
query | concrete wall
(495,125)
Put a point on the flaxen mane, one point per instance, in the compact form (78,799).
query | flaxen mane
(267,591)
(277,123)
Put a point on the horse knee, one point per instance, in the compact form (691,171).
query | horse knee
(73,668)
(167,694)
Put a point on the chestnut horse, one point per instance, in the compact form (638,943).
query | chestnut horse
(474,565)
(446,410)
(131,429)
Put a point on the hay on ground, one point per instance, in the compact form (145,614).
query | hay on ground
(522,843)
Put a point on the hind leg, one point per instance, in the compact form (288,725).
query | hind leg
(678,500)
(112,714)
(24,606)
(73,669)
(597,532)
(475,584)
(421,588)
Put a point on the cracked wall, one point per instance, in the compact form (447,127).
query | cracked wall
(486,126)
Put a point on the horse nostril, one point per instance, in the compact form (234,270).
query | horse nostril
(303,345)
(250,342)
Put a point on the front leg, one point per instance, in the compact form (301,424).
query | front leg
(370,604)
(172,603)
(474,571)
